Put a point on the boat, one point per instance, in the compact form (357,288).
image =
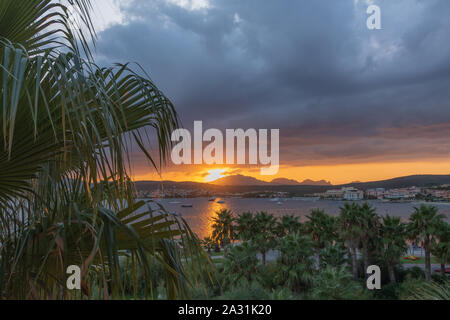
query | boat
(279,203)
(275,200)
(212,200)
(221,201)
(174,202)
(186,205)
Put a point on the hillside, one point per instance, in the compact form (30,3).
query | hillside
(239,180)
(403,182)
(291,182)
(243,184)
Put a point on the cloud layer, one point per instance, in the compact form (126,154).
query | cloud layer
(339,92)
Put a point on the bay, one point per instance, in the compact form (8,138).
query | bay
(199,215)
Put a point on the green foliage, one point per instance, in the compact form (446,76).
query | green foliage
(336,284)
(414,287)
(349,223)
(425,224)
(333,255)
(411,285)
(393,237)
(136,282)
(321,227)
(259,228)
(415,273)
(431,291)
(240,262)
(223,228)
(268,275)
(296,263)
(66,197)
(208,244)
(40,255)
(369,228)
(264,237)
(283,294)
(246,291)
(202,293)
(439,278)
(245,226)
(287,225)
(350,232)
(441,243)
(294,274)
(387,292)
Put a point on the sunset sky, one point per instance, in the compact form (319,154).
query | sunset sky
(351,104)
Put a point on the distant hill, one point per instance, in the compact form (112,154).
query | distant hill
(244,184)
(239,180)
(403,182)
(153,185)
(307,182)
(285,182)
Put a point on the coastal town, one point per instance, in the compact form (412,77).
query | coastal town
(412,193)
(435,193)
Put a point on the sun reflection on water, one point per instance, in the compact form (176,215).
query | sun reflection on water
(212,208)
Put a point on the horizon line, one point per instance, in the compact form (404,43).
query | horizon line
(300,182)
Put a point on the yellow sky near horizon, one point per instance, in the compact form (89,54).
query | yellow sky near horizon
(336,174)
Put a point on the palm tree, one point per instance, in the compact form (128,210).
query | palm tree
(65,134)
(322,228)
(432,291)
(335,283)
(350,232)
(393,233)
(287,225)
(369,227)
(441,246)
(333,255)
(260,229)
(296,264)
(223,227)
(423,226)
(245,226)
(240,263)
(265,237)
(207,243)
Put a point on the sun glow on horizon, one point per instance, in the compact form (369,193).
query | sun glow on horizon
(337,174)
(215,174)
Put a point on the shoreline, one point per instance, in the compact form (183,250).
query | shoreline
(419,202)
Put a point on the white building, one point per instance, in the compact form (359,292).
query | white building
(335,193)
(353,194)
(402,193)
(377,193)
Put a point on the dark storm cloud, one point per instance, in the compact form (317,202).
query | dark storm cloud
(336,90)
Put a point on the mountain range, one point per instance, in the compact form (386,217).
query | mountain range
(245,182)
(240,180)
